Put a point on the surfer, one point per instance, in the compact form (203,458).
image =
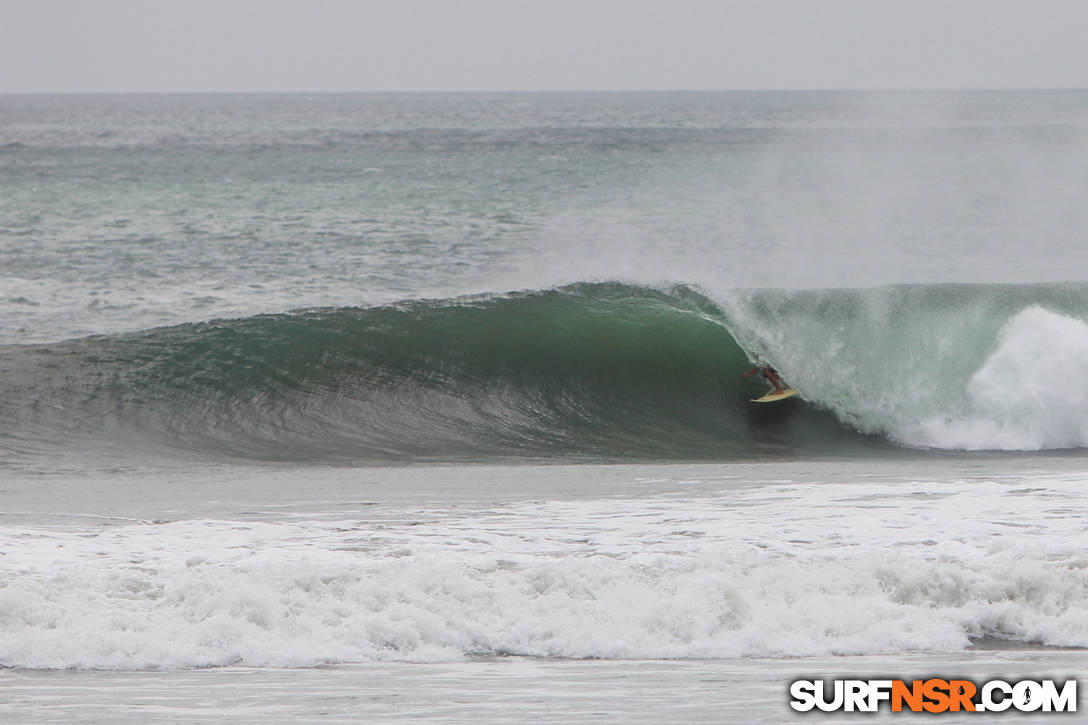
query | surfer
(769,373)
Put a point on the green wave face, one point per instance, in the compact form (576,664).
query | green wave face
(584,372)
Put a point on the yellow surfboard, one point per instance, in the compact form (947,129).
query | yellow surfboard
(775,397)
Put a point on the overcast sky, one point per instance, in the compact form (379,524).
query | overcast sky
(421,45)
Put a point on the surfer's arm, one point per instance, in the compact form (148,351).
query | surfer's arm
(750,373)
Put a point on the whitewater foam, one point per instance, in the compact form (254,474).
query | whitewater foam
(1030,394)
(778,569)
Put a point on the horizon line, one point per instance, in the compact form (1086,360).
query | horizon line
(874,89)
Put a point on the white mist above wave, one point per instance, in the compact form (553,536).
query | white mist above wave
(126,213)
(777,569)
(1030,394)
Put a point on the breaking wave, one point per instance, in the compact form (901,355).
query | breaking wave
(603,371)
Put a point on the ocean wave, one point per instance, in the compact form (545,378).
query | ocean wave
(603,371)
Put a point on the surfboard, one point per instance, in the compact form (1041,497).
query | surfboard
(775,397)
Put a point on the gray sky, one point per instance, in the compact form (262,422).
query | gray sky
(367,45)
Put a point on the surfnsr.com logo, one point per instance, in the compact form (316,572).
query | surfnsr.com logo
(934,695)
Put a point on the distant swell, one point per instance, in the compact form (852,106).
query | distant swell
(589,371)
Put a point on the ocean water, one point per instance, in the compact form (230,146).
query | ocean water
(387,406)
